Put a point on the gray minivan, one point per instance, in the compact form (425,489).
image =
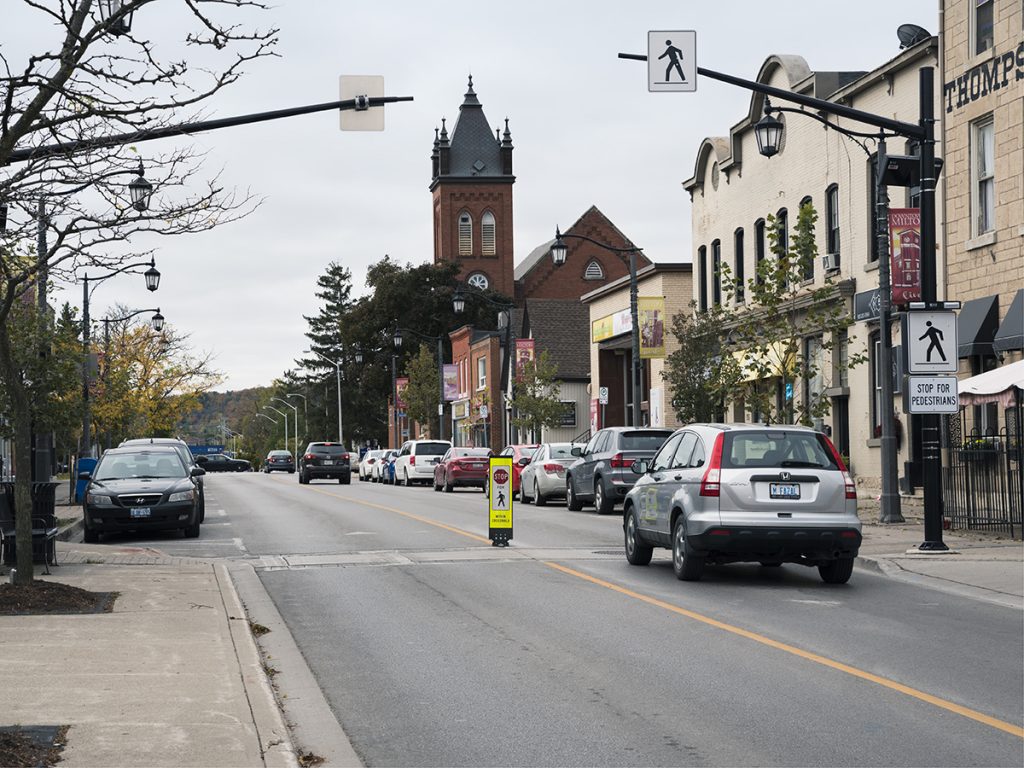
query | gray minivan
(602,473)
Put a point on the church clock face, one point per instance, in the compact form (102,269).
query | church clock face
(479,281)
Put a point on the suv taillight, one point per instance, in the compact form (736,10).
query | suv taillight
(309,457)
(710,484)
(619,461)
(850,487)
(412,460)
(345,457)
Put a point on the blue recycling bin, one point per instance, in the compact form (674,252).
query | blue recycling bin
(85,464)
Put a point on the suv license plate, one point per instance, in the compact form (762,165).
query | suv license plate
(784,491)
(328,462)
(140,512)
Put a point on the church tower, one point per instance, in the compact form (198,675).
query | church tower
(472,188)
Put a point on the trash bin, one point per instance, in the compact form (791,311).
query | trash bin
(85,464)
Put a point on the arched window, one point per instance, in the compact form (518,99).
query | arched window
(832,223)
(465,234)
(487,238)
(807,267)
(702,278)
(594,271)
(759,250)
(738,266)
(716,272)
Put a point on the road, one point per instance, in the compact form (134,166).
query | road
(434,648)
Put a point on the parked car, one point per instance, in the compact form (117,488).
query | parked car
(218,462)
(380,472)
(462,467)
(325,461)
(367,463)
(521,455)
(719,493)
(544,477)
(184,452)
(141,488)
(279,461)
(602,475)
(416,460)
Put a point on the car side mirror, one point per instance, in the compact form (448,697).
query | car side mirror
(85,475)
(197,472)
(524,461)
(576,451)
(640,466)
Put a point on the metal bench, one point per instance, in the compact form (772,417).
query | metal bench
(44,543)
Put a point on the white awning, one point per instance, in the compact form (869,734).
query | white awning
(996,386)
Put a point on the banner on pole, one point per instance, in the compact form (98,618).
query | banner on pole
(650,315)
(905,255)
(400,384)
(524,353)
(451,382)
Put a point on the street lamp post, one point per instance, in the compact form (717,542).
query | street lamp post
(295,428)
(559,253)
(285,415)
(337,367)
(305,418)
(397,339)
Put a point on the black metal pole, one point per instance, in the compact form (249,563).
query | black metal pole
(634,313)
(86,405)
(440,384)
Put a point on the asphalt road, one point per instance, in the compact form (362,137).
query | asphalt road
(434,648)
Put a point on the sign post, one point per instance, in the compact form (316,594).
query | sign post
(499,498)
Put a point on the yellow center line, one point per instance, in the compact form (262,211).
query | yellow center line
(949,706)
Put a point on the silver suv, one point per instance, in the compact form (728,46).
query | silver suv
(718,493)
(603,472)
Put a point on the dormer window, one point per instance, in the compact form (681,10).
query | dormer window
(594,271)
(465,234)
(487,237)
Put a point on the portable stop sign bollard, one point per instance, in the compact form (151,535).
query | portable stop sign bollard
(499,498)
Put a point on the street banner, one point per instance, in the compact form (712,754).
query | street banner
(400,384)
(499,498)
(611,325)
(524,353)
(650,317)
(451,382)
(905,255)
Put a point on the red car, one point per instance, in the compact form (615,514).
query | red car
(462,467)
(521,455)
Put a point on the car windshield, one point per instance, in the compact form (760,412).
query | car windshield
(561,451)
(123,466)
(642,441)
(457,452)
(327,450)
(776,449)
(431,449)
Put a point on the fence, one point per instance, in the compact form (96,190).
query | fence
(983,476)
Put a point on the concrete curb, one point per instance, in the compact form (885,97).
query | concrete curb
(271,730)
(894,570)
(299,694)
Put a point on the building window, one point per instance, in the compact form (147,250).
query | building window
(807,267)
(488,244)
(716,272)
(872,212)
(702,277)
(465,235)
(759,250)
(814,380)
(875,354)
(983,198)
(481,372)
(782,230)
(843,358)
(982,21)
(914,190)
(832,223)
(594,271)
(479,281)
(738,264)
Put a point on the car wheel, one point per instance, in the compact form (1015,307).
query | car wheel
(346,480)
(448,487)
(572,501)
(539,498)
(202,506)
(405,480)
(637,553)
(90,536)
(836,571)
(291,471)
(602,501)
(192,531)
(686,563)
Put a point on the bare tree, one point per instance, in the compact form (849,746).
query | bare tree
(96,90)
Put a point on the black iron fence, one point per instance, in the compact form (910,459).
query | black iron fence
(983,476)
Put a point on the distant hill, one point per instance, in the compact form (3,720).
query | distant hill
(231,408)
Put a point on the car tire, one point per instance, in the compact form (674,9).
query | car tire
(90,536)
(346,480)
(604,504)
(202,506)
(539,499)
(448,487)
(836,571)
(291,471)
(405,480)
(572,501)
(437,487)
(192,531)
(637,553)
(687,564)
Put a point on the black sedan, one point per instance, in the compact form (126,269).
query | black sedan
(141,489)
(218,462)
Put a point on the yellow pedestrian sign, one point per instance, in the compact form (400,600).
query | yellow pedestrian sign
(499,498)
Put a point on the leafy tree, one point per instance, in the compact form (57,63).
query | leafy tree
(423,390)
(535,402)
(700,374)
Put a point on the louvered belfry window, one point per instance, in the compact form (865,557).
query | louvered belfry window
(487,234)
(594,271)
(465,235)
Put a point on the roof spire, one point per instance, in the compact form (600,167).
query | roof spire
(471,98)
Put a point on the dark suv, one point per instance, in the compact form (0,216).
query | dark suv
(325,461)
(603,472)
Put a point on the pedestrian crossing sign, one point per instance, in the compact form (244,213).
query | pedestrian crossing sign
(672,60)
(930,340)
(499,497)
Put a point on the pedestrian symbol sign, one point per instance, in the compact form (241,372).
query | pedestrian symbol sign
(930,341)
(672,60)
(499,496)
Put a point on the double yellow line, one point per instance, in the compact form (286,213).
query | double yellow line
(949,706)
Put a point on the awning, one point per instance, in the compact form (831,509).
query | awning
(624,341)
(1010,335)
(999,385)
(976,326)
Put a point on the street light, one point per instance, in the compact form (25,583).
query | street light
(112,12)
(397,339)
(337,368)
(305,417)
(295,429)
(559,253)
(281,413)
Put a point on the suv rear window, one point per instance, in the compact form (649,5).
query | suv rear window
(643,441)
(431,449)
(776,449)
(327,450)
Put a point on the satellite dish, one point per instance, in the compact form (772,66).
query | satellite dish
(911,34)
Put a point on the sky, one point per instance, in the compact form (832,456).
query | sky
(585,128)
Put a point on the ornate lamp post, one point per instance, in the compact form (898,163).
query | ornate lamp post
(397,340)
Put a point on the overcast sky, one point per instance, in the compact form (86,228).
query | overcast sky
(585,129)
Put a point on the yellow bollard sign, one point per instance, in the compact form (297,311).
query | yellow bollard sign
(499,497)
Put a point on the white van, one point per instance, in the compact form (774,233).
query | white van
(416,460)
